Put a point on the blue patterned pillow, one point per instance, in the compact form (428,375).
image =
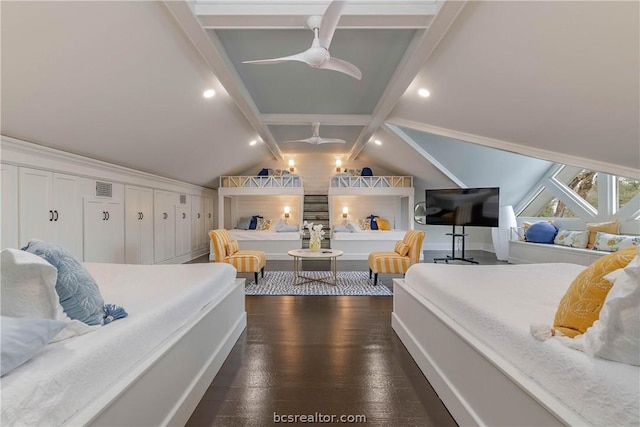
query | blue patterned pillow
(79,294)
(372,220)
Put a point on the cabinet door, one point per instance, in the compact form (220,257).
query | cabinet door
(164,223)
(94,219)
(208,209)
(132,230)
(34,208)
(9,206)
(183,230)
(146,226)
(197,222)
(67,220)
(113,232)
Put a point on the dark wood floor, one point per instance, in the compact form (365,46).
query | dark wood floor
(322,355)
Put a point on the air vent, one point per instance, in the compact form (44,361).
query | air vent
(104,189)
(183,199)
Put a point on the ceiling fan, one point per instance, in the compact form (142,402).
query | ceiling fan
(316,139)
(317,55)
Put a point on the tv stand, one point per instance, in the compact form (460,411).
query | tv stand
(453,256)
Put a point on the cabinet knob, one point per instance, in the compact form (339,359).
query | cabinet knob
(107,215)
(50,215)
(141,215)
(198,216)
(184,215)
(104,216)
(164,215)
(208,215)
(56,215)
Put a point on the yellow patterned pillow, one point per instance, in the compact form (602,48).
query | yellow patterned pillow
(580,306)
(383,224)
(364,224)
(612,227)
(232,247)
(401,248)
(263,224)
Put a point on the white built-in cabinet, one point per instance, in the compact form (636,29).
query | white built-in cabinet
(197,222)
(164,225)
(208,210)
(183,229)
(138,203)
(103,230)
(9,205)
(50,208)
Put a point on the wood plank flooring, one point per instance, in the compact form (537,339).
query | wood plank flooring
(322,355)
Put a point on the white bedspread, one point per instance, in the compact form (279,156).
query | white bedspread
(498,304)
(63,378)
(394,235)
(263,235)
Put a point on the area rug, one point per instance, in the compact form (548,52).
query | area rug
(349,283)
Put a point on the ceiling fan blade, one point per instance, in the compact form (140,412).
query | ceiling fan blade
(297,57)
(336,64)
(330,22)
(331,141)
(311,140)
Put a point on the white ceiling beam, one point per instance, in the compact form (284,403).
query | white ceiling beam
(214,54)
(315,7)
(299,21)
(420,49)
(324,119)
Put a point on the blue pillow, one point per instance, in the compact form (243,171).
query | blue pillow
(263,172)
(78,292)
(541,232)
(366,172)
(372,220)
(243,223)
(22,338)
(254,222)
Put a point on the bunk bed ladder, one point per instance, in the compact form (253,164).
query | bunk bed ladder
(316,210)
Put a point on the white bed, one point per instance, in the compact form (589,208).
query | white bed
(150,368)
(274,244)
(467,327)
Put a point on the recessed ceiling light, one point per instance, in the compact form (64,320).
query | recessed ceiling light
(209,93)
(424,93)
(253,142)
(377,142)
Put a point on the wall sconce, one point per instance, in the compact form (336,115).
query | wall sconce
(291,164)
(338,165)
(287,211)
(345,212)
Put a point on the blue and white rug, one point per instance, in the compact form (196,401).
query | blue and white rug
(349,283)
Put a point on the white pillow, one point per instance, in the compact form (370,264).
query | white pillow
(353,226)
(22,338)
(616,334)
(339,228)
(278,225)
(614,242)
(28,289)
(572,238)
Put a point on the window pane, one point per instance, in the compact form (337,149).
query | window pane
(545,205)
(585,184)
(627,190)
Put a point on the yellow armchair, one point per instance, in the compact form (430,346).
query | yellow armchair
(227,250)
(399,260)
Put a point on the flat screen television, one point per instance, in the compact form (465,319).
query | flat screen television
(475,207)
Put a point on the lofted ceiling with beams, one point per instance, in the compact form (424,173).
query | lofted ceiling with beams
(553,80)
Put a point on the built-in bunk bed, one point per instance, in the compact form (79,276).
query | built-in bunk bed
(265,196)
(387,197)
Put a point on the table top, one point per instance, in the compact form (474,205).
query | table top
(322,253)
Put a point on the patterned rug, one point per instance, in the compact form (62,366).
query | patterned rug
(349,283)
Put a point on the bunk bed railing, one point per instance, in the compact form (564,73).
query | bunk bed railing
(371,181)
(271,181)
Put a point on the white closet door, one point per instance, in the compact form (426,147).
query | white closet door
(132,229)
(67,220)
(113,232)
(183,230)
(146,226)
(9,214)
(35,210)
(94,218)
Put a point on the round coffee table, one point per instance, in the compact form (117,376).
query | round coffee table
(300,254)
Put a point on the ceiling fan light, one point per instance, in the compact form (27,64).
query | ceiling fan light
(209,93)
(377,142)
(424,93)
(253,142)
